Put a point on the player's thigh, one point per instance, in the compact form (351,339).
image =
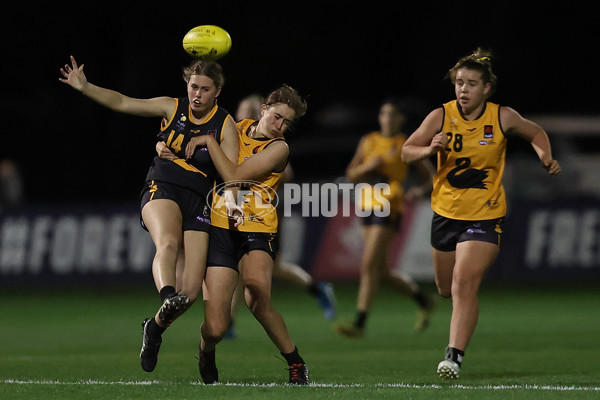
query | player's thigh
(377,239)
(473,259)
(163,218)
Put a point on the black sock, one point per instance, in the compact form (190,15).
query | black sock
(166,292)
(154,330)
(455,355)
(421,299)
(361,318)
(209,355)
(293,357)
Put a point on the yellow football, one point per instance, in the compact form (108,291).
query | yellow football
(207,42)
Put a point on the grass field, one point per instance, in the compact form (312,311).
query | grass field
(531,343)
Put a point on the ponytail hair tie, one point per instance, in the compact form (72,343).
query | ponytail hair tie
(483,59)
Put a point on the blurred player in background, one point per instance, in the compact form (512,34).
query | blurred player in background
(378,160)
(469,136)
(249,107)
(11,184)
(249,247)
(173,206)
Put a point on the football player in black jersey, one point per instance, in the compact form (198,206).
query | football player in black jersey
(174,207)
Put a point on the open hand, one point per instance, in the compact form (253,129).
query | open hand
(73,75)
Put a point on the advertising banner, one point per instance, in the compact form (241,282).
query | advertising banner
(46,244)
(556,239)
(551,239)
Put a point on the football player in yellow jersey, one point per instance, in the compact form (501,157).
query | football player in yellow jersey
(251,252)
(378,160)
(249,108)
(469,137)
(174,198)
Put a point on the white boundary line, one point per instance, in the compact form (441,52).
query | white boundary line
(321,385)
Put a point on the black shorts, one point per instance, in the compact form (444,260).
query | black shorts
(194,210)
(393,221)
(446,232)
(227,247)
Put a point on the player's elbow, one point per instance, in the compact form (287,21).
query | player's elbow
(406,155)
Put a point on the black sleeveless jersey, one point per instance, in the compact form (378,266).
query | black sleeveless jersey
(198,173)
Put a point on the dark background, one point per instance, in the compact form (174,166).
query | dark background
(346,59)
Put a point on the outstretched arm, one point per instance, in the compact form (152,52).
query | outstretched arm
(513,122)
(74,76)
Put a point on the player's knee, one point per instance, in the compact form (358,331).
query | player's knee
(257,299)
(444,290)
(214,331)
(465,286)
(168,244)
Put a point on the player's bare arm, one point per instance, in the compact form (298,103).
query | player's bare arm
(74,76)
(230,140)
(514,123)
(357,169)
(427,139)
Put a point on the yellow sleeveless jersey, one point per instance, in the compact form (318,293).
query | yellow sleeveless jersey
(468,181)
(393,171)
(259,196)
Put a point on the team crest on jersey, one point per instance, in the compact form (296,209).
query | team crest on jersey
(488,131)
(453,124)
(181,123)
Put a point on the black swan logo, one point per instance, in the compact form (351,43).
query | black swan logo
(463,177)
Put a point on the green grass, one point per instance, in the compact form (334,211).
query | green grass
(531,342)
